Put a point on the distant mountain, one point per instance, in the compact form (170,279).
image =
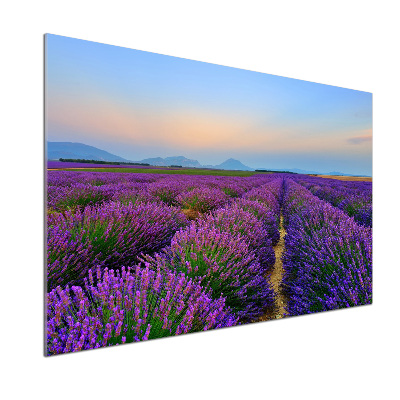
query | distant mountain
(233,164)
(156,161)
(56,150)
(176,160)
(185,162)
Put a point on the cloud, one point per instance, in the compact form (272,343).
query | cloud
(360,139)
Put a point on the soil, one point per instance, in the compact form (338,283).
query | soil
(275,278)
(191,214)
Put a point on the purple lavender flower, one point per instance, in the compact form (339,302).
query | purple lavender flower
(263,213)
(354,198)
(224,264)
(328,256)
(239,222)
(202,199)
(111,235)
(129,306)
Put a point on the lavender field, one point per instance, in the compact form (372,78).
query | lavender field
(139,256)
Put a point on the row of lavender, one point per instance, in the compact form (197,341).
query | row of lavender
(212,273)
(328,256)
(354,198)
(230,251)
(158,274)
(71,190)
(108,219)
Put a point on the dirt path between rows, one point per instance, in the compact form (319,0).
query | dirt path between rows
(276,277)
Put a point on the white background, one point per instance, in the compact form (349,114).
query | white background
(350,354)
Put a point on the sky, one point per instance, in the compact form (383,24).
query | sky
(138,104)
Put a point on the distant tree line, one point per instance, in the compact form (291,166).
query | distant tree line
(100,162)
(275,172)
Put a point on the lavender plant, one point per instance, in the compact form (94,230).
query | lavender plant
(238,222)
(129,306)
(263,213)
(328,257)
(167,191)
(354,198)
(112,235)
(77,196)
(202,199)
(222,263)
(263,195)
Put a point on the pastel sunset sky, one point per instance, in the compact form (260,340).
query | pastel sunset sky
(137,105)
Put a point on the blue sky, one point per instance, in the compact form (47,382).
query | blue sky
(138,104)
